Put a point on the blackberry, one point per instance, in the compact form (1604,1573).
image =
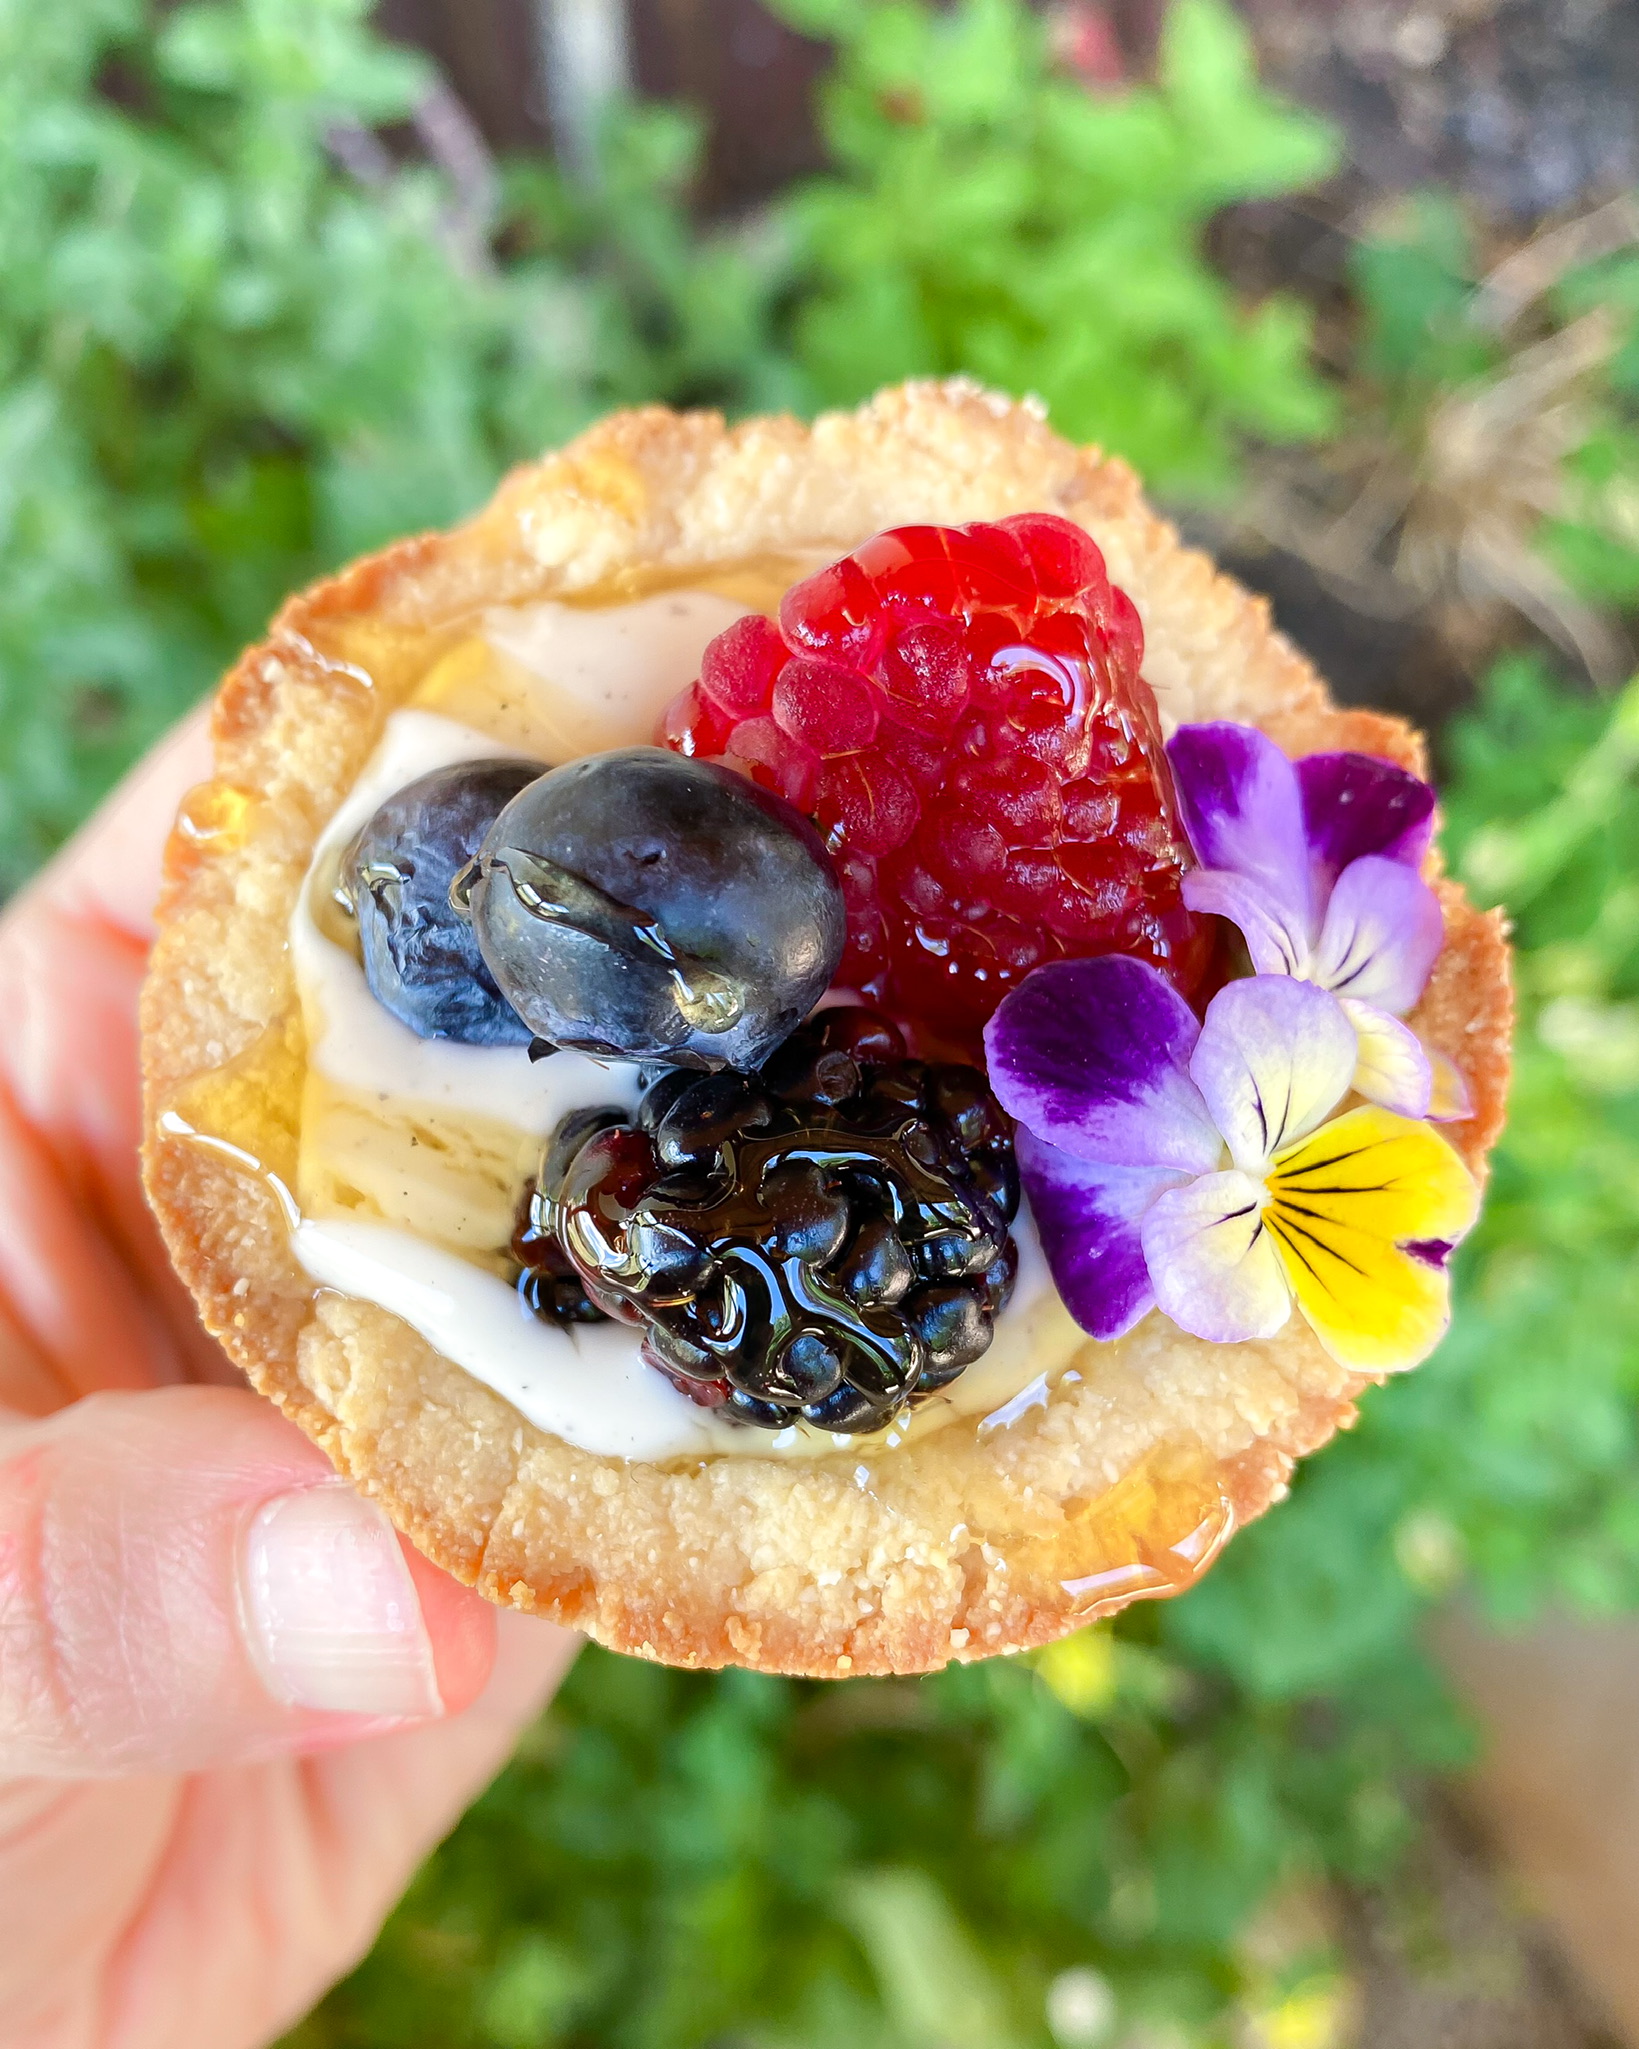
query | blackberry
(824,1240)
(548,1279)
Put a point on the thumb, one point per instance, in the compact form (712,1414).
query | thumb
(184,1582)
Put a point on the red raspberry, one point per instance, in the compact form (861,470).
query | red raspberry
(961,711)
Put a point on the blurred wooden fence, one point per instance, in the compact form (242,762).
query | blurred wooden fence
(749,75)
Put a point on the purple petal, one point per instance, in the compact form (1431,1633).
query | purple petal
(1087,1219)
(1276,946)
(1274,1056)
(1090,1055)
(1239,799)
(1354,804)
(1213,1266)
(1381,935)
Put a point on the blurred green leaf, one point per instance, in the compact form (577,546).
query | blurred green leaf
(990,216)
(936,1985)
(1416,280)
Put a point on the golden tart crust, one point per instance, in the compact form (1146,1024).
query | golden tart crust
(960,1544)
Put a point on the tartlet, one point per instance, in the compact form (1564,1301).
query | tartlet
(1119,1476)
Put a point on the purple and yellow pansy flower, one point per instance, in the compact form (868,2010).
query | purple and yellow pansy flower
(1197,1166)
(1316,861)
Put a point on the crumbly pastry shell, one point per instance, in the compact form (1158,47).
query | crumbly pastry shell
(960,1544)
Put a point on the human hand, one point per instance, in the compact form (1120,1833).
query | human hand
(235,1708)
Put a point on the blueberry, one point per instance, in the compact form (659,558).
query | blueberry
(421,959)
(646,906)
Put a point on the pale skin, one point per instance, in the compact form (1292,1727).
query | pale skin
(186,1858)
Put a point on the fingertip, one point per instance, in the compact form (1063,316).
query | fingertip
(460,1628)
(112,865)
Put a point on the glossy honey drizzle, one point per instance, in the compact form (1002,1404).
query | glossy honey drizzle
(216,814)
(1150,1536)
(246,1114)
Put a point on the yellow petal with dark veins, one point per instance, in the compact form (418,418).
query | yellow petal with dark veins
(1363,1213)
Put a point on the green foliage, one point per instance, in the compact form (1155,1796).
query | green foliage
(1551,1509)
(1597,540)
(988,215)
(227,363)
(683,1860)
(1415,286)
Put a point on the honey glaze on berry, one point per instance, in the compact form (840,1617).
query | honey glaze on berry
(961,711)
(824,1242)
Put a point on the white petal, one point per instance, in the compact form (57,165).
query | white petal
(1212,1264)
(1450,1099)
(1277,937)
(1392,1068)
(1274,1056)
(1380,936)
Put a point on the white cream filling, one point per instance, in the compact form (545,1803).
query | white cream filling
(587,1385)
(576,679)
(612,667)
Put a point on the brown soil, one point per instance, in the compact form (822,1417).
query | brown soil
(1447,1957)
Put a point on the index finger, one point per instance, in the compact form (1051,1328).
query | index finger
(110,869)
